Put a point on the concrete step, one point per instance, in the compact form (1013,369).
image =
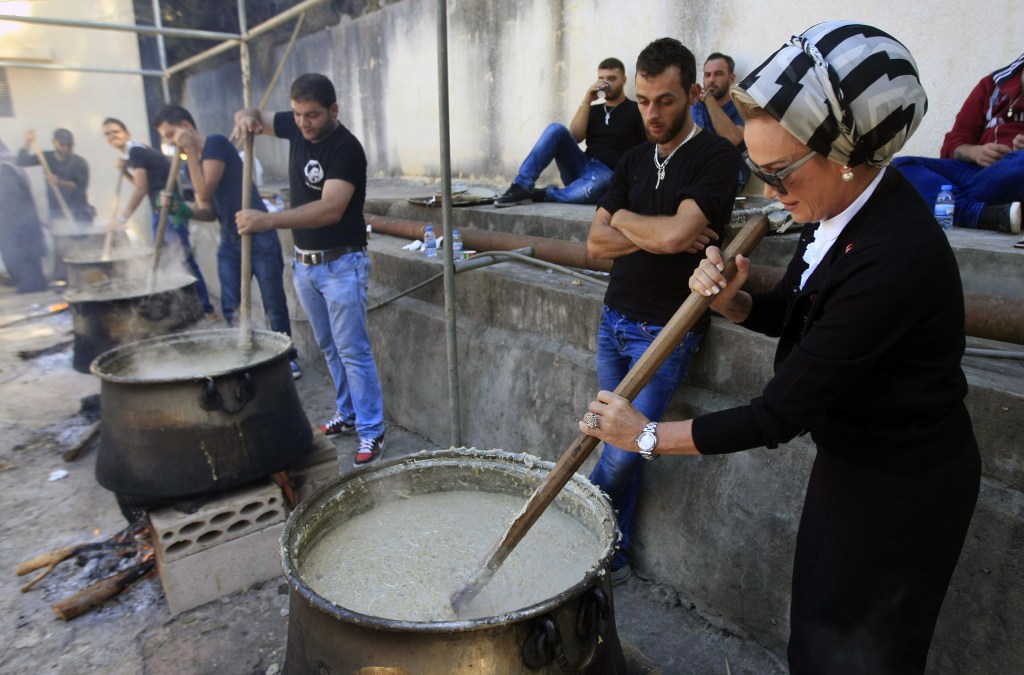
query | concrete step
(988,261)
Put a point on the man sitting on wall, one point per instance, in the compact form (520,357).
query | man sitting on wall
(981,156)
(610,126)
(715,111)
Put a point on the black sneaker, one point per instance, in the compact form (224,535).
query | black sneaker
(337,425)
(539,194)
(514,195)
(370,449)
(1000,217)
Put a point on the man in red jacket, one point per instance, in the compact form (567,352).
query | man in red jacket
(981,156)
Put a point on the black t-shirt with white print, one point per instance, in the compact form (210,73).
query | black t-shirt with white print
(310,165)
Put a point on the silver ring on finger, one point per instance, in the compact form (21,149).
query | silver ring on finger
(591,420)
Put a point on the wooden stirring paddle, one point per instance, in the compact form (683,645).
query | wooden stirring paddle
(245,311)
(161,223)
(681,322)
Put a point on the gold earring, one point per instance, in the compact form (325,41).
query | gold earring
(847,173)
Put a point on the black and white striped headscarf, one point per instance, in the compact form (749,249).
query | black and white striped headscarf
(846,90)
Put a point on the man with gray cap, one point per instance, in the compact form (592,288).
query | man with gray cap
(68,173)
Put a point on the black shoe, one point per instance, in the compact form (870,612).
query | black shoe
(336,425)
(539,194)
(514,195)
(1000,217)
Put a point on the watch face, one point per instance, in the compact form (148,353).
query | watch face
(646,441)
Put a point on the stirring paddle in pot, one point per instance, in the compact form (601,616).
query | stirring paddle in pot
(682,321)
(115,206)
(245,311)
(161,225)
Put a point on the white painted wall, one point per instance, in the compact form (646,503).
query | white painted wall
(45,100)
(515,66)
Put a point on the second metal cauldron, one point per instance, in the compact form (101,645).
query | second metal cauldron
(172,427)
(119,311)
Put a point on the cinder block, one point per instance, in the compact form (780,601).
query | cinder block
(230,543)
(229,567)
(228,516)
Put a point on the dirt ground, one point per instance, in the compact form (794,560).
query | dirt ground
(48,503)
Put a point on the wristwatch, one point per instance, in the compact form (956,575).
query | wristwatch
(648,441)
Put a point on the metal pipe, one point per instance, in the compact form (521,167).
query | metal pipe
(987,316)
(79,69)
(284,59)
(127,28)
(567,253)
(288,14)
(454,408)
(161,50)
(201,56)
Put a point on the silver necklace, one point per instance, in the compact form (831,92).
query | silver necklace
(661,165)
(607,114)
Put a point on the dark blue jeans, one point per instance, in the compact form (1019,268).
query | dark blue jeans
(176,239)
(586,179)
(973,186)
(620,343)
(267,268)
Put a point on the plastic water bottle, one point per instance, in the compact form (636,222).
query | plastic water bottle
(456,245)
(945,205)
(430,242)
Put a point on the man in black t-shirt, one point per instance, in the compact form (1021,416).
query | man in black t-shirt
(668,199)
(610,127)
(327,176)
(68,173)
(148,170)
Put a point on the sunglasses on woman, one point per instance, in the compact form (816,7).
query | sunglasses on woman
(775,179)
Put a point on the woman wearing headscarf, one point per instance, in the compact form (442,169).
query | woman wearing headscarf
(870,321)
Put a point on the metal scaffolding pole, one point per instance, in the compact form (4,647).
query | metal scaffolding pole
(79,69)
(162,51)
(130,28)
(454,404)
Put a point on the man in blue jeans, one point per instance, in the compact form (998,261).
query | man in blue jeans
(982,157)
(327,175)
(668,199)
(610,126)
(216,172)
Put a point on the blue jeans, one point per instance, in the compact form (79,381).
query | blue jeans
(334,297)
(176,237)
(973,186)
(620,343)
(586,179)
(267,267)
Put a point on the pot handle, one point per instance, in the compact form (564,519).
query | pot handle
(544,644)
(210,398)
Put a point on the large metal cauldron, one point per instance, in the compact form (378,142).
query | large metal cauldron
(71,238)
(118,311)
(87,266)
(574,630)
(170,431)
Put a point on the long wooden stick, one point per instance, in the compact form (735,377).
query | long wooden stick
(115,206)
(161,223)
(56,188)
(681,322)
(245,311)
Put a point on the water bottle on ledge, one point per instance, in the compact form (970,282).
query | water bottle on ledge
(430,242)
(456,245)
(945,205)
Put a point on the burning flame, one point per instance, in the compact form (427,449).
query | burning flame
(60,307)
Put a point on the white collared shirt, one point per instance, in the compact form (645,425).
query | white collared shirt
(830,228)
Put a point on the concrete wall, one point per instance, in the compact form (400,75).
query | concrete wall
(46,99)
(516,66)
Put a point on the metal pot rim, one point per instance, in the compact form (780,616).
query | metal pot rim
(338,612)
(280,343)
(117,254)
(169,283)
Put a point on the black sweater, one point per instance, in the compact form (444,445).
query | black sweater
(869,350)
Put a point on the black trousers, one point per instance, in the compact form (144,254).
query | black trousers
(875,552)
